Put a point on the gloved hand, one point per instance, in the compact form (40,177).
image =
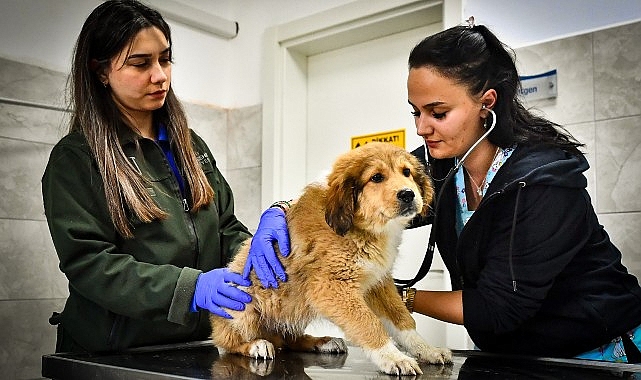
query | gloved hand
(262,256)
(216,289)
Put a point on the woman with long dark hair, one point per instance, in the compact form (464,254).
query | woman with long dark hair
(532,270)
(141,218)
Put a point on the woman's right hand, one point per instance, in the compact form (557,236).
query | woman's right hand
(217,289)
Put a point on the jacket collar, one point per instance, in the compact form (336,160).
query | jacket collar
(126,135)
(544,166)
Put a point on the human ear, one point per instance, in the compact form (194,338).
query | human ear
(100,70)
(488,101)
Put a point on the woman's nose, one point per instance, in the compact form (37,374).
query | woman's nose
(423,126)
(158,74)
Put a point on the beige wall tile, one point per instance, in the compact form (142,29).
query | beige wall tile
(32,124)
(210,123)
(617,72)
(245,137)
(31,83)
(23,164)
(26,336)
(618,166)
(245,184)
(572,57)
(29,265)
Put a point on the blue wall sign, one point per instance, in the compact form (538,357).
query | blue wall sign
(540,86)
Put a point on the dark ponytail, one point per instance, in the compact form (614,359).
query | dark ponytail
(475,58)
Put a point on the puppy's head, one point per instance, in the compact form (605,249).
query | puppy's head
(373,185)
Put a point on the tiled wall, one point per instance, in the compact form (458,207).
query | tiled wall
(244,140)
(599,100)
(31,285)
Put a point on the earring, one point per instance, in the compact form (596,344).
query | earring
(483,107)
(493,119)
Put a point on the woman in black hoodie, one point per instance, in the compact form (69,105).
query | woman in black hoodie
(533,272)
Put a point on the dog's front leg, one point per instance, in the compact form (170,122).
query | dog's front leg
(349,311)
(387,304)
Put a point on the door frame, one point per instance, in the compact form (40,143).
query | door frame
(284,79)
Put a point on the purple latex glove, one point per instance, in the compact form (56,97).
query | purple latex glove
(217,289)
(262,256)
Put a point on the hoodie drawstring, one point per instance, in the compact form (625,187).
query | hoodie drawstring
(516,208)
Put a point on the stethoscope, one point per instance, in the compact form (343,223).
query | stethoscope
(429,253)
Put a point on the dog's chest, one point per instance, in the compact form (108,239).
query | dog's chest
(377,260)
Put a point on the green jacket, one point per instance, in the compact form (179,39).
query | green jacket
(134,292)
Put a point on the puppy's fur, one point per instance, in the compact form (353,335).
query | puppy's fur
(344,240)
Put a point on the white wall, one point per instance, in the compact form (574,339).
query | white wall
(208,69)
(244,63)
(527,22)
(226,73)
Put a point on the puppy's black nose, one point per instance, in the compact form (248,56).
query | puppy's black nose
(405,195)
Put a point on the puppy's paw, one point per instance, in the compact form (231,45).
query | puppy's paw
(393,362)
(334,345)
(433,355)
(417,347)
(261,349)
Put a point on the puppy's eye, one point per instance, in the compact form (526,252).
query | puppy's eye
(406,172)
(377,178)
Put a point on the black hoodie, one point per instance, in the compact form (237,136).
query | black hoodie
(538,272)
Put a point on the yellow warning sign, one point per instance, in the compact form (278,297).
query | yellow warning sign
(396,137)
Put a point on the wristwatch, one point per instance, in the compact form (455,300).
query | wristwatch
(407,295)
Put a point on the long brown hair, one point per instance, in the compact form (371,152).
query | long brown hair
(109,29)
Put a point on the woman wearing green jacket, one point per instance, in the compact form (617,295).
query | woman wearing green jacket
(141,218)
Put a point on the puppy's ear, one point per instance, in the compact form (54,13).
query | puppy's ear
(424,184)
(341,204)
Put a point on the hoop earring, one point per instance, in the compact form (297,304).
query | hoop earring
(493,119)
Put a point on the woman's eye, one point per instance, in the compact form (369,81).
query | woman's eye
(377,178)
(435,115)
(406,172)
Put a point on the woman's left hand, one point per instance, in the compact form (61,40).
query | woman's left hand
(262,255)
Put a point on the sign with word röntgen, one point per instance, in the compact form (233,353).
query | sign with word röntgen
(540,86)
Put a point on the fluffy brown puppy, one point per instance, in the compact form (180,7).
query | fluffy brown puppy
(344,240)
